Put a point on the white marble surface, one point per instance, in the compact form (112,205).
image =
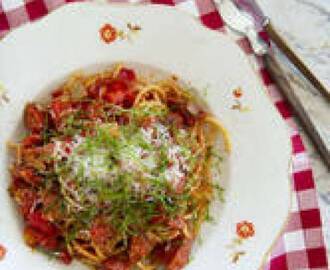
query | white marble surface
(305,24)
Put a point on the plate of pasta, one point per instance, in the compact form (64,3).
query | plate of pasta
(134,144)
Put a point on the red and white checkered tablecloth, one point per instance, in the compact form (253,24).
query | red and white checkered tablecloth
(302,244)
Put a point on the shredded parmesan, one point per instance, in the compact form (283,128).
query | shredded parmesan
(133,158)
(178,165)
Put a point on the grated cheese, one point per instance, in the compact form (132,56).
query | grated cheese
(132,158)
(179,165)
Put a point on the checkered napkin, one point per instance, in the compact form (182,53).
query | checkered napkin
(301,245)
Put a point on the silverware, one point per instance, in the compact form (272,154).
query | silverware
(243,23)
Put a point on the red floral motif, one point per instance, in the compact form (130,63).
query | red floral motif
(3,252)
(238,93)
(108,33)
(245,229)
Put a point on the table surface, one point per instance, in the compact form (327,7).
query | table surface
(305,25)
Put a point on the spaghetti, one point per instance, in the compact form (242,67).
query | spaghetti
(116,171)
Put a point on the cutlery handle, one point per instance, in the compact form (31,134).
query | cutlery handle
(294,58)
(258,46)
(302,114)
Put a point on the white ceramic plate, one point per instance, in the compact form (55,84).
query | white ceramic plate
(37,56)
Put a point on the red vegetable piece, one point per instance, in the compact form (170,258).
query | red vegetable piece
(39,223)
(189,119)
(58,108)
(117,85)
(172,102)
(165,252)
(158,219)
(32,237)
(115,264)
(139,247)
(181,256)
(129,99)
(49,199)
(34,118)
(101,232)
(115,97)
(18,183)
(49,243)
(177,223)
(26,199)
(57,93)
(94,91)
(127,74)
(122,119)
(32,140)
(176,119)
(65,257)
(94,110)
(83,105)
(115,92)
(28,176)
